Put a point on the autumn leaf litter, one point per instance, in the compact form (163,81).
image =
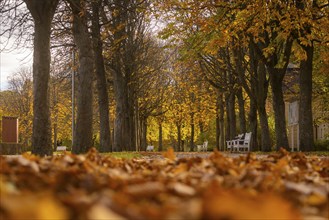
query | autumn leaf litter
(92,186)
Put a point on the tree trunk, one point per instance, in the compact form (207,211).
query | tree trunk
(143,131)
(218,131)
(242,113)
(160,137)
(42,13)
(192,133)
(55,135)
(253,94)
(137,127)
(83,129)
(103,99)
(231,115)
(126,134)
(179,137)
(306,136)
(279,108)
(135,124)
(220,137)
(221,123)
(262,90)
(131,119)
(228,119)
(265,135)
(253,125)
(55,116)
(119,81)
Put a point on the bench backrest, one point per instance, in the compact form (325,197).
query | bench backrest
(205,144)
(61,148)
(150,148)
(247,137)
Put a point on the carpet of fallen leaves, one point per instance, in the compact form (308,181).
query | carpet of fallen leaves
(92,186)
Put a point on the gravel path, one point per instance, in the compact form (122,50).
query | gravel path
(158,155)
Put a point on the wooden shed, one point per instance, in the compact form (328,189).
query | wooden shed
(9,129)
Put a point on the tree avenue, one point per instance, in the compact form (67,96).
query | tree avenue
(166,73)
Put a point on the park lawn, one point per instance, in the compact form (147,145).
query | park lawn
(281,185)
(124,154)
(313,153)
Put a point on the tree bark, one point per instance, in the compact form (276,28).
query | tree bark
(137,127)
(42,13)
(218,131)
(220,134)
(279,108)
(160,138)
(265,136)
(179,137)
(83,130)
(242,113)
(228,119)
(253,125)
(262,90)
(144,134)
(122,137)
(55,135)
(131,118)
(103,99)
(231,115)
(306,135)
(192,133)
(121,115)
(221,123)
(253,94)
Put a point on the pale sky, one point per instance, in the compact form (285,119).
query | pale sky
(11,62)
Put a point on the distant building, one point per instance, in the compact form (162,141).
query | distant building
(291,94)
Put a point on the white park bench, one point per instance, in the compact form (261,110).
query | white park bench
(240,143)
(150,148)
(203,147)
(245,143)
(61,148)
(233,144)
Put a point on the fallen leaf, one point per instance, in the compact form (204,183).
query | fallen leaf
(169,154)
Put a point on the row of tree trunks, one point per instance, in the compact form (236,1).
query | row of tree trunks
(43,13)
(258,96)
(125,136)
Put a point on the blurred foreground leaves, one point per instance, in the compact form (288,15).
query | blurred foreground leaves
(279,186)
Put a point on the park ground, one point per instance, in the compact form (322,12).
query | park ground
(168,185)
